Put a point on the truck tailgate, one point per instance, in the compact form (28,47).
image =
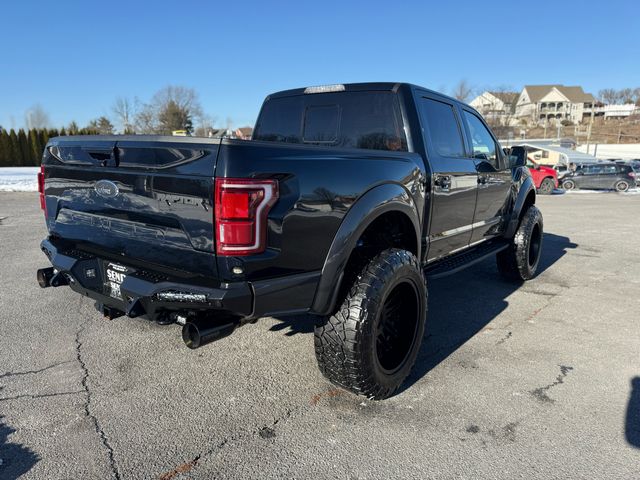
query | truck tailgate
(148,200)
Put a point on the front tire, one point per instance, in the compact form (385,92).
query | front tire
(519,261)
(371,343)
(569,185)
(547,186)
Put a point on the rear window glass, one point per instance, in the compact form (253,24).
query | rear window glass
(343,119)
(321,124)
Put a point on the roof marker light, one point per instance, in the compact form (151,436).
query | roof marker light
(325,89)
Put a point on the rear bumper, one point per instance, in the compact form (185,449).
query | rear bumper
(150,294)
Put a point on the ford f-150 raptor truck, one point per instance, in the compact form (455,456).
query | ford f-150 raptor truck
(342,205)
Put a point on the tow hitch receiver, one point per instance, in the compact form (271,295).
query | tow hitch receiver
(110,313)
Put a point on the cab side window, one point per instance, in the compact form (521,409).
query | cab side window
(484,147)
(444,130)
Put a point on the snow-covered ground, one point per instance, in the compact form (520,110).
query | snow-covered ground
(19,179)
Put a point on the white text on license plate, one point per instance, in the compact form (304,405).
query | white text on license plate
(115,276)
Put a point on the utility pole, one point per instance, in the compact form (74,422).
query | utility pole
(590,125)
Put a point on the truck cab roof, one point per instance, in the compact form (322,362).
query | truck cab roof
(357,87)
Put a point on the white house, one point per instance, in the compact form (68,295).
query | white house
(496,106)
(620,111)
(542,103)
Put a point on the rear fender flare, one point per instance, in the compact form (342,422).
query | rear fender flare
(377,201)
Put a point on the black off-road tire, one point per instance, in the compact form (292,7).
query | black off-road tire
(547,186)
(520,260)
(370,344)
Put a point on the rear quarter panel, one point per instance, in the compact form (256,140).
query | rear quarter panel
(317,188)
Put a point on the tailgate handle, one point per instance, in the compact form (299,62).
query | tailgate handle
(108,157)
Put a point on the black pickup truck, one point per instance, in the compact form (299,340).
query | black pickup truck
(346,200)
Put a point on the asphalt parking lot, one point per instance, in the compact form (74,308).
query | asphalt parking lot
(541,381)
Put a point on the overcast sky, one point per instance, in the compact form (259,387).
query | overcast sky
(75,57)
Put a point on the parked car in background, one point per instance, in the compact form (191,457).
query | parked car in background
(544,178)
(561,171)
(616,176)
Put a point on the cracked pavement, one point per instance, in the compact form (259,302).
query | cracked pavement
(529,382)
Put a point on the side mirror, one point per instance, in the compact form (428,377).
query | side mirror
(517,157)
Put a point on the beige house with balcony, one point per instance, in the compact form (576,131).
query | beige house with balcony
(553,103)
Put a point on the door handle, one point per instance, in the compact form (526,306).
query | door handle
(443,181)
(482,179)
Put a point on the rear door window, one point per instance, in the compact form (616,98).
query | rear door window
(443,127)
(593,170)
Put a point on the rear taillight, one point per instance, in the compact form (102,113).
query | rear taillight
(43,205)
(242,206)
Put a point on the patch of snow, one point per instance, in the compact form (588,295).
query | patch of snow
(582,190)
(631,191)
(19,179)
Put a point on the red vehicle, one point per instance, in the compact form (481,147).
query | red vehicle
(544,178)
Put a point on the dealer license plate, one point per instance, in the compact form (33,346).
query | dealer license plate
(114,276)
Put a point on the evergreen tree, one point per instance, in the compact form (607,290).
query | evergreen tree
(36,146)
(4,148)
(14,150)
(44,137)
(25,151)
(102,126)
(73,128)
(174,117)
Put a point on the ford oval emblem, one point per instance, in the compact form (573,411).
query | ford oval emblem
(106,188)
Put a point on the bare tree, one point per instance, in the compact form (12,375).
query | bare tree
(636,96)
(462,91)
(626,95)
(124,110)
(206,126)
(146,120)
(608,96)
(36,117)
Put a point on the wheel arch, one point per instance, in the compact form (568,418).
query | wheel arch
(525,198)
(387,202)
